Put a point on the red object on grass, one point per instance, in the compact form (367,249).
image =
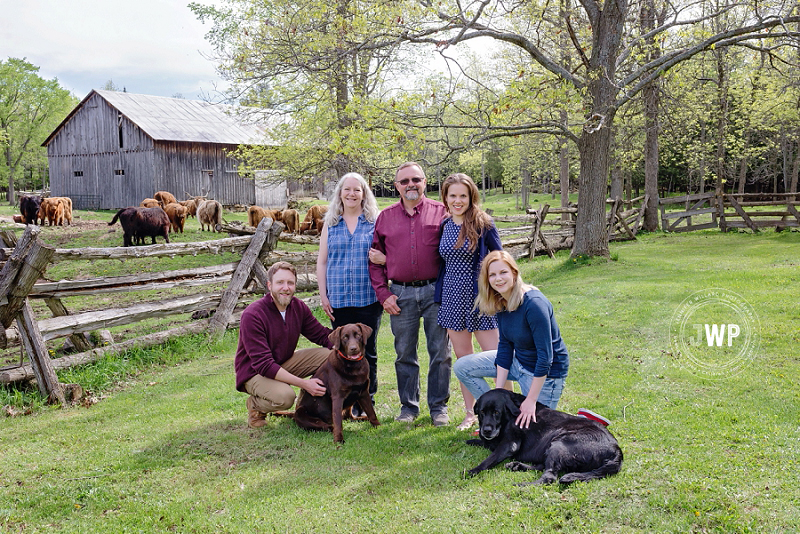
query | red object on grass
(588,414)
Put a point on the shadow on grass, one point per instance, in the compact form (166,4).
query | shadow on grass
(282,455)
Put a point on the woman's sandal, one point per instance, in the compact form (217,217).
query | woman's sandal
(468,422)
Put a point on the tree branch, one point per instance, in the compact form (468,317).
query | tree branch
(655,68)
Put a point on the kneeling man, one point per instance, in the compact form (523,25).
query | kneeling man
(267,364)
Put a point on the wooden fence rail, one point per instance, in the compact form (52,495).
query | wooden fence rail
(27,261)
(729,211)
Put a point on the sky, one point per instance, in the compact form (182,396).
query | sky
(152,47)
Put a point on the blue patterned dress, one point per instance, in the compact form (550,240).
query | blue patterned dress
(456,311)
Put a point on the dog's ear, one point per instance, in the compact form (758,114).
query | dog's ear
(511,407)
(336,337)
(365,331)
(478,406)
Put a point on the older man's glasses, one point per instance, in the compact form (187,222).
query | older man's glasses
(405,181)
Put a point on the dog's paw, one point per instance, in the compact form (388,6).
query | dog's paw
(472,472)
(474,442)
(547,478)
(517,466)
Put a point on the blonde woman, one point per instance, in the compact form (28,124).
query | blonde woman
(466,236)
(342,265)
(530,350)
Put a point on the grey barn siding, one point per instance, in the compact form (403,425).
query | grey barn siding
(184,150)
(195,168)
(89,144)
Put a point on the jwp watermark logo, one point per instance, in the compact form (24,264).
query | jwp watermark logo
(715,333)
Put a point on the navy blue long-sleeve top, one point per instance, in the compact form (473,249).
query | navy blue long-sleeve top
(530,334)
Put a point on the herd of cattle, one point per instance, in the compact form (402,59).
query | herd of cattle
(157,216)
(54,210)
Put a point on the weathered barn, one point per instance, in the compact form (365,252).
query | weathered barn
(115,149)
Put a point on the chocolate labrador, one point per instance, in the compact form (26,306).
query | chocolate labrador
(556,443)
(346,378)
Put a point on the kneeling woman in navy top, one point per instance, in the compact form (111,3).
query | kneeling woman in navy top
(530,350)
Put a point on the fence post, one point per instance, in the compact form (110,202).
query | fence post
(26,264)
(266,236)
(10,271)
(612,218)
(42,366)
(723,225)
(536,232)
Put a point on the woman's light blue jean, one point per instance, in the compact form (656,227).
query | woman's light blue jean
(473,369)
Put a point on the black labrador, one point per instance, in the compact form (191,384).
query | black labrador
(346,377)
(557,442)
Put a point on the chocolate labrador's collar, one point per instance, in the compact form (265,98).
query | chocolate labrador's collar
(348,358)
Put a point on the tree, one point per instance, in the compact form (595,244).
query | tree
(30,108)
(299,66)
(611,66)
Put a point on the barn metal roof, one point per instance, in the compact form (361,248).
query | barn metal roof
(176,119)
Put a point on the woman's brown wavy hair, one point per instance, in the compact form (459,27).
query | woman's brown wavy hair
(475,219)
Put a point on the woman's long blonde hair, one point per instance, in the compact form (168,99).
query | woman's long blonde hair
(336,207)
(489,301)
(475,219)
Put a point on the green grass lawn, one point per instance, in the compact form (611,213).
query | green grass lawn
(167,449)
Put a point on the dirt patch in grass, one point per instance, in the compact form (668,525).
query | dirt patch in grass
(81,233)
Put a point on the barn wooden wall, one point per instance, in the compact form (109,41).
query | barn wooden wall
(89,143)
(196,167)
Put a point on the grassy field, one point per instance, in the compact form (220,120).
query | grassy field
(166,448)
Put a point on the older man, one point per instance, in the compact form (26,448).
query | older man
(408,234)
(266,362)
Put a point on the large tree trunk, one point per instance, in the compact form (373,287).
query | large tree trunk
(651,102)
(651,156)
(594,144)
(591,237)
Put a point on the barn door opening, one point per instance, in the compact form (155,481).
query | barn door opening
(205,184)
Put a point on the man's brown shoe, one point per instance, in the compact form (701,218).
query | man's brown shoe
(255,419)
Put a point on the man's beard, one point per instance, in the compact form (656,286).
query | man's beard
(281,299)
(411,195)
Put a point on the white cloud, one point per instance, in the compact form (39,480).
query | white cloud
(148,46)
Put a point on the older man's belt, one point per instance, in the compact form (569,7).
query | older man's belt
(415,283)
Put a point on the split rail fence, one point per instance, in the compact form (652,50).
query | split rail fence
(731,211)
(26,263)
(621,224)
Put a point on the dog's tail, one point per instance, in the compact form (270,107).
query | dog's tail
(610,467)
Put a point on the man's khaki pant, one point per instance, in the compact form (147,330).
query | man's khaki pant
(271,395)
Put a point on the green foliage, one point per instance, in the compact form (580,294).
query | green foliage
(300,65)
(30,108)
